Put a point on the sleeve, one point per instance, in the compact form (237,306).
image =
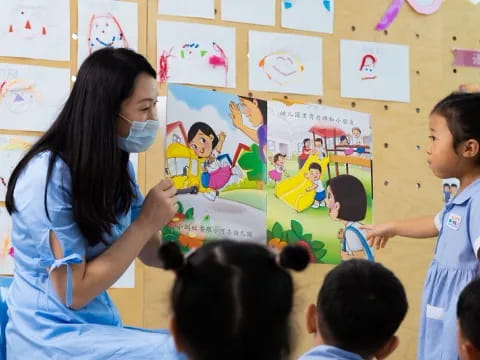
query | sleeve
(352,241)
(474,223)
(139,198)
(30,202)
(438,220)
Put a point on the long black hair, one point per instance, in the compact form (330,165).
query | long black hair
(84,136)
(233,300)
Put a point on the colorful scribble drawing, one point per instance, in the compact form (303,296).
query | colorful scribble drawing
(6,248)
(281,67)
(27,23)
(18,95)
(367,67)
(288,4)
(193,53)
(104,30)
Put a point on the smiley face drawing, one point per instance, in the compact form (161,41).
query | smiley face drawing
(367,67)
(281,67)
(104,30)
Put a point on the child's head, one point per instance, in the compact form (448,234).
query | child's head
(315,170)
(356,132)
(318,142)
(468,314)
(232,300)
(346,198)
(202,139)
(307,143)
(343,139)
(455,135)
(279,158)
(453,188)
(359,308)
(446,187)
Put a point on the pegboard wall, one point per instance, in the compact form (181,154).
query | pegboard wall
(404,186)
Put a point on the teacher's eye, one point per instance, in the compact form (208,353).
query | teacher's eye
(433,138)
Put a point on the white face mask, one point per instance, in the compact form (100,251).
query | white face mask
(141,136)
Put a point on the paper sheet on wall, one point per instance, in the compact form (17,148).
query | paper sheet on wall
(6,250)
(196,54)
(191,8)
(31,96)
(38,29)
(308,15)
(127,280)
(285,63)
(308,147)
(106,24)
(12,149)
(378,71)
(261,12)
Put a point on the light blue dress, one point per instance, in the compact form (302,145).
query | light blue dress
(326,352)
(454,265)
(40,327)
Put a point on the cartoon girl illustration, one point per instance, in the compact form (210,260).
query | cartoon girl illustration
(347,203)
(367,67)
(278,162)
(104,30)
(207,145)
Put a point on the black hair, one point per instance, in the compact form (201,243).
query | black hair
(468,312)
(344,138)
(233,300)
(461,111)
(277,155)
(305,141)
(315,166)
(262,106)
(204,128)
(454,185)
(349,192)
(360,306)
(357,128)
(319,139)
(84,136)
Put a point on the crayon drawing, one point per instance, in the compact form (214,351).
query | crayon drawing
(6,249)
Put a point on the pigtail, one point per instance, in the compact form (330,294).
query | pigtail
(294,257)
(171,256)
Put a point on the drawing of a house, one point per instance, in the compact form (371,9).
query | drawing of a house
(176,133)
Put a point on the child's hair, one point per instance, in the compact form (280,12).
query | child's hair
(447,185)
(277,156)
(356,128)
(349,192)
(360,306)
(319,140)
(343,138)
(261,104)
(454,185)
(233,300)
(315,166)
(461,110)
(468,312)
(305,141)
(206,129)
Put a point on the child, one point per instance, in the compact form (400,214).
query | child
(306,151)
(453,152)
(207,145)
(314,175)
(468,314)
(446,193)
(232,300)
(347,202)
(319,149)
(278,162)
(453,190)
(356,136)
(359,308)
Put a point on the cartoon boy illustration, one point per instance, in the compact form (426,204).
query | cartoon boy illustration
(314,175)
(347,203)
(319,149)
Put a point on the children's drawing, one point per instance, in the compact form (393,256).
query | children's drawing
(197,54)
(191,8)
(285,63)
(6,249)
(316,145)
(384,71)
(308,15)
(367,67)
(31,96)
(425,7)
(35,29)
(107,23)
(214,156)
(12,148)
(281,68)
(249,11)
(450,189)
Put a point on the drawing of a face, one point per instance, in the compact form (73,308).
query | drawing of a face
(202,144)
(281,68)
(105,31)
(356,133)
(333,207)
(192,50)
(367,67)
(314,174)
(281,160)
(18,96)
(27,22)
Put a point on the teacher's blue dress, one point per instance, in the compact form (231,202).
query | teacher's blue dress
(40,326)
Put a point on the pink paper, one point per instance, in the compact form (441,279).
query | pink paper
(467,57)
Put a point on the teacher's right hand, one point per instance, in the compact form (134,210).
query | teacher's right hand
(160,205)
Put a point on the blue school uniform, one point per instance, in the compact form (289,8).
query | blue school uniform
(326,352)
(454,265)
(40,326)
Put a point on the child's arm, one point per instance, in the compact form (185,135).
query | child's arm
(422,227)
(221,140)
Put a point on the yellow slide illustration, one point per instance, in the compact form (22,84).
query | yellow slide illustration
(293,190)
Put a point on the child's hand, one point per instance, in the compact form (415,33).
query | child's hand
(222,135)
(378,235)
(341,234)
